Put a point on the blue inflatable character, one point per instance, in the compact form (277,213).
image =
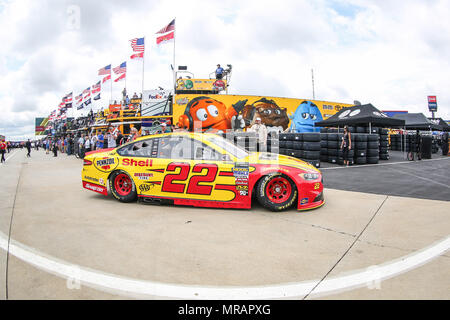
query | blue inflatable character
(304,118)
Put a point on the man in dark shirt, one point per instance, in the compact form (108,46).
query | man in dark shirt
(28,145)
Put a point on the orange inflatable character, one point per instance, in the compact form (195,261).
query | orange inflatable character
(213,115)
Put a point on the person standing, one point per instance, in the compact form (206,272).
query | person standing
(100,140)
(47,146)
(219,72)
(261,133)
(112,136)
(2,150)
(28,145)
(87,144)
(8,146)
(134,134)
(94,142)
(445,144)
(55,148)
(346,145)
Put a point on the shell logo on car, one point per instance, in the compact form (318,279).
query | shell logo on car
(202,170)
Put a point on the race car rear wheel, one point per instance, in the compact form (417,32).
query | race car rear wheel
(276,192)
(122,186)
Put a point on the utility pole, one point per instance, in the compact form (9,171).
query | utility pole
(312,77)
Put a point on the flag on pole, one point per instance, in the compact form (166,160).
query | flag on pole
(169,27)
(81,106)
(87,102)
(79,98)
(168,33)
(87,92)
(122,77)
(97,97)
(137,55)
(96,88)
(121,69)
(108,77)
(105,70)
(61,105)
(165,38)
(138,44)
(68,98)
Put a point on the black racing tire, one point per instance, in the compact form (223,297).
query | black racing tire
(297,145)
(323,130)
(361,145)
(332,137)
(324,151)
(324,158)
(282,143)
(332,144)
(284,137)
(276,192)
(373,145)
(311,155)
(324,144)
(333,152)
(311,137)
(298,154)
(311,146)
(384,131)
(289,144)
(372,160)
(361,160)
(297,137)
(122,186)
(373,137)
(360,153)
(323,136)
(332,159)
(373,152)
(384,156)
(384,144)
(360,130)
(361,138)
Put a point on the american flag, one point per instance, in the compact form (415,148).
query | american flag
(122,76)
(137,55)
(105,70)
(68,98)
(108,77)
(61,105)
(87,92)
(121,69)
(169,27)
(96,87)
(138,45)
(79,98)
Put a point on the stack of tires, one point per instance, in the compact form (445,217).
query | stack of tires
(324,146)
(248,140)
(311,148)
(333,146)
(384,144)
(373,148)
(360,147)
(305,146)
(411,144)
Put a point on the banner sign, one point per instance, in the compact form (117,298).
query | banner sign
(432,103)
(201,84)
(155,103)
(218,112)
(40,125)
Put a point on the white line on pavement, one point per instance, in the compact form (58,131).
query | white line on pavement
(146,289)
(381,164)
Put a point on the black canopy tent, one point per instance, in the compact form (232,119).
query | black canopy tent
(417,121)
(364,115)
(440,122)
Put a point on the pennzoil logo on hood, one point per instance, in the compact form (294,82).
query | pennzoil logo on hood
(106,164)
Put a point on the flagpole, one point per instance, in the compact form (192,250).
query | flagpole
(143,69)
(174,64)
(110,101)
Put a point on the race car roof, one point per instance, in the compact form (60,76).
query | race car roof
(361,115)
(417,121)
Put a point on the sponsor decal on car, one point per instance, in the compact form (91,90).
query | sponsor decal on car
(137,163)
(304,201)
(95,188)
(317,186)
(106,164)
(101,181)
(90,179)
(143,176)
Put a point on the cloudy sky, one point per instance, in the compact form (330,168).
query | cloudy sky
(392,54)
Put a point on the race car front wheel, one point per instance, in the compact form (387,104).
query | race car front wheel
(122,186)
(276,192)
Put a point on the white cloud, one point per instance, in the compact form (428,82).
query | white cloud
(390,53)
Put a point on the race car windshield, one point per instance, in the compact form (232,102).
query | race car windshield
(228,146)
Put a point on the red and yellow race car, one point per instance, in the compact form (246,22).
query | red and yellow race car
(202,170)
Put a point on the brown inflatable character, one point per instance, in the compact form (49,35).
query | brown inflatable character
(270,113)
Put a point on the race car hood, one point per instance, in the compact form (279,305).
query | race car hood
(278,159)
